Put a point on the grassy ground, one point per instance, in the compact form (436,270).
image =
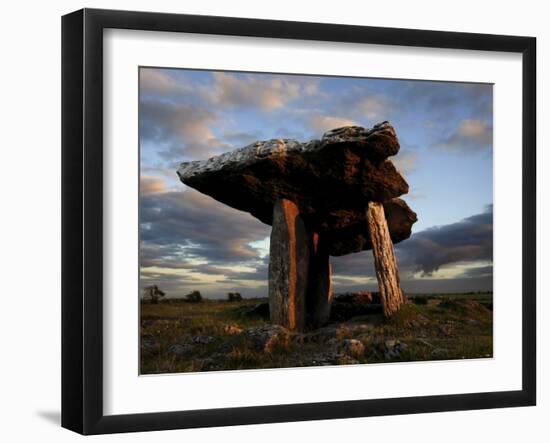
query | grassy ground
(178,336)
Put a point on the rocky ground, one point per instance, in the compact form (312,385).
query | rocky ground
(178,336)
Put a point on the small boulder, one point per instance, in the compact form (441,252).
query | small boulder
(393,349)
(181,349)
(203,339)
(266,338)
(149,344)
(353,348)
(232,330)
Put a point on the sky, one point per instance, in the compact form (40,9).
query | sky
(189,241)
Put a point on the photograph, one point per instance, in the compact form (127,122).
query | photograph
(290,220)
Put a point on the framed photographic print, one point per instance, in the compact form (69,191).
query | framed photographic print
(269,221)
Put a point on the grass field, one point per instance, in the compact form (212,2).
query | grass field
(179,336)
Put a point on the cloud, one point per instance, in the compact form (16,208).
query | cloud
(195,227)
(324,123)
(478,271)
(452,258)
(241,138)
(151,185)
(189,240)
(469,240)
(158,82)
(268,92)
(363,104)
(470,135)
(373,107)
(184,130)
(405,161)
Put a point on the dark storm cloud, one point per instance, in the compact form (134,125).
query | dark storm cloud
(360,264)
(482,271)
(469,240)
(191,225)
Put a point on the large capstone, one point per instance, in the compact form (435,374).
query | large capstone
(330,180)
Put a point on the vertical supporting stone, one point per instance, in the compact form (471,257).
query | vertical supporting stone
(384,259)
(288,266)
(319,291)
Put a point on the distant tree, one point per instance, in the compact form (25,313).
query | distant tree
(154,293)
(194,297)
(234,296)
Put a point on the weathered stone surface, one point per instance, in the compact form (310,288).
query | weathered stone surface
(385,264)
(232,330)
(330,180)
(380,142)
(393,349)
(288,266)
(353,348)
(351,234)
(267,338)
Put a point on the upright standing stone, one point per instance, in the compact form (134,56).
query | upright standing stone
(384,259)
(288,266)
(319,291)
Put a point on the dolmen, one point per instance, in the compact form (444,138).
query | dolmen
(328,197)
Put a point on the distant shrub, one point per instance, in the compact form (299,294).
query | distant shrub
(420,300)
(194,297)
(234,296)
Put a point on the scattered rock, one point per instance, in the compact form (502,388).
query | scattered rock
(445,330)
(353,348)
(203,339)
(393,349)
(181,349)
(305,338)
(149,344)
(232,330)
(266,338)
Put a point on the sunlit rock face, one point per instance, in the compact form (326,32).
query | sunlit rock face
(330,180)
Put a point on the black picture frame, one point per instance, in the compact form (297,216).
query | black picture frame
(82,218)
